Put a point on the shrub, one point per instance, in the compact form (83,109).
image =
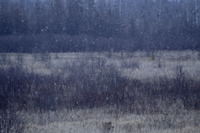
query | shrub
(11,96)
(91,83)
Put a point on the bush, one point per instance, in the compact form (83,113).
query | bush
(11,96)
(91,83)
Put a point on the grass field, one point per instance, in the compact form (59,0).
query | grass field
(102,121)
(136,65)
(101,92)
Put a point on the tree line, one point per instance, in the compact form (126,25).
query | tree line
(147,24)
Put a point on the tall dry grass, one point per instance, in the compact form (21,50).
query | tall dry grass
(92,83)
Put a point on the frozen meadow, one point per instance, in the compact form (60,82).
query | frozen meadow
(134,114)
(139,65)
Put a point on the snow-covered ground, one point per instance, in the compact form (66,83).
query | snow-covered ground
(165,62)
(107,121)
(137,65)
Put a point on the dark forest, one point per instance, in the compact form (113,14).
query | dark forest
(30,26)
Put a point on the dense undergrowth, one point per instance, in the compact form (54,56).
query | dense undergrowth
(90,84)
